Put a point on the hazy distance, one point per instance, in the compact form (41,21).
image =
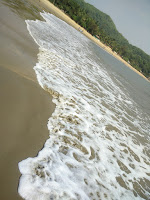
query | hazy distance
(131,17)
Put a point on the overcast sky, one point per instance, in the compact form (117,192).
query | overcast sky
(131,17)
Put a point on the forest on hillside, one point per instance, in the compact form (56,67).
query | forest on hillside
(101,25)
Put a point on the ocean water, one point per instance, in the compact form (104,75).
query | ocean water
(98,145)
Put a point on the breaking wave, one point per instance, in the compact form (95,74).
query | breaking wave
(98,144)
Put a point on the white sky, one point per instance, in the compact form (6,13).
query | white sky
(131,17)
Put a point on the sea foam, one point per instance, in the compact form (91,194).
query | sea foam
(98,144)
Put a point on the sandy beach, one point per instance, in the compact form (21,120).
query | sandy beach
(25,109)
(25,106)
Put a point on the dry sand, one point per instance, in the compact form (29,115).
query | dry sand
(24,106)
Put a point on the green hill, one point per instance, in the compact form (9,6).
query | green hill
(101,25)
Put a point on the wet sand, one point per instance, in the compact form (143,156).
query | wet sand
(18,51)
(24,106)
(25,109)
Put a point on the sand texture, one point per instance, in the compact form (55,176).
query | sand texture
(25,109)
(24,106)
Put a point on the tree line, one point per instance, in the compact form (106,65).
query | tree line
(101,25)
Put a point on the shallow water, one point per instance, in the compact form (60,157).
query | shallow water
(99,135)
(23,8)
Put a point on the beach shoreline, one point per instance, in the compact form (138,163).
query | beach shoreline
(25,106)
(94,95)
(25,109)
(49,7)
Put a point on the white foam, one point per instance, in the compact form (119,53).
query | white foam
(94,151)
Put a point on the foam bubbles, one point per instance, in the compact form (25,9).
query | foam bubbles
(94,150)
